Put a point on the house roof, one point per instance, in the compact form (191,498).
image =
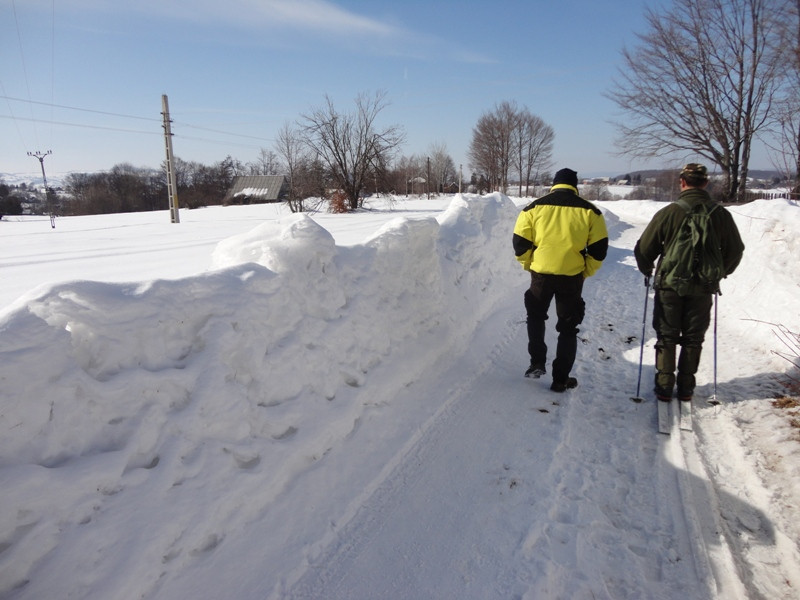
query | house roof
(264,187)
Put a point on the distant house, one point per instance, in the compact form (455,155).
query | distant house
(257,189)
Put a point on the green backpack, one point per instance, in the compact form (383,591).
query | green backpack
(692,262)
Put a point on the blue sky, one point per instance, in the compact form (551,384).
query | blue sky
(236,71)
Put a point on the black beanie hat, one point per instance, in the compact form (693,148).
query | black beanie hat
(567,176)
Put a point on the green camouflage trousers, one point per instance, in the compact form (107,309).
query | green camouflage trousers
(679,321)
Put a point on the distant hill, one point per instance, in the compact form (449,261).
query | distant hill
(764,174)
(646,173)
(30,180)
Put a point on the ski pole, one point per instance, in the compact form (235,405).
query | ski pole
(714,397)
(637,397)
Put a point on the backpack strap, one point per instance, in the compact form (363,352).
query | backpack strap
(687,207)
(683,204)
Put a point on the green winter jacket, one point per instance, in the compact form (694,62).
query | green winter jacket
(666,224)
(561,234)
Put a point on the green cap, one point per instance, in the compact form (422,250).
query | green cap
(694,172)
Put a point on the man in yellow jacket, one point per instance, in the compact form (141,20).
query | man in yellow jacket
(561,239)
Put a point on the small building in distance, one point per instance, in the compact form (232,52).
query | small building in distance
(257,189)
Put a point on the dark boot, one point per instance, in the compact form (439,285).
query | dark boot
(562,386)
(688,364)
(665,370)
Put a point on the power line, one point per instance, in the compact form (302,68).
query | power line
(13,118)
(52,105)
(124,116)
(22,58)
(80,125)
(88,110)
(122,130)
(219,142)
(242,135)
(52,60)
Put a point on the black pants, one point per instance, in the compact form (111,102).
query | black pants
(570,308)
(679,321)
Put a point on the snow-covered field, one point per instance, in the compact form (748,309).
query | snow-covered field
(253,404)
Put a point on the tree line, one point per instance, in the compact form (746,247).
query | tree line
(327,153)
(11,203)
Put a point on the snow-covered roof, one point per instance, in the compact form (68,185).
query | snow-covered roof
(264,187)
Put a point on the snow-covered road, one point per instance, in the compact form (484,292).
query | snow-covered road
(513,491)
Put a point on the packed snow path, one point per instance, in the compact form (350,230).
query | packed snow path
(513,491)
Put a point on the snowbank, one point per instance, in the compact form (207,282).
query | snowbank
(245,366)
(212,435)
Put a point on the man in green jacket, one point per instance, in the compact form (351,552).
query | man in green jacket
(560,239)
(683,319)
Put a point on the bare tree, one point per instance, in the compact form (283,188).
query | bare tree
(785,146)
(267,163)
(442,167)
(406,171)
(349,144)
(292,150)
(786,142)
(510,140)
(490,148)
(483,149)
(533,147)
(88,193)
(702,81)
(793,126)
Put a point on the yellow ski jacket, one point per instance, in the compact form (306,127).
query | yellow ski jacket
(561,234)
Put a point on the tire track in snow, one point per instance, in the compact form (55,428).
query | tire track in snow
(406,491)
(685,504)
(713,559)
(760,554)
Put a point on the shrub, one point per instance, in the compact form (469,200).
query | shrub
(338,202)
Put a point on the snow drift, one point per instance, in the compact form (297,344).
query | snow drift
(216,373)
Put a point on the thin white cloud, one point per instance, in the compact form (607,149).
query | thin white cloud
(321,16)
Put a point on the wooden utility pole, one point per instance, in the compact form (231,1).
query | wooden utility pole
(47,196)
(172,188)
(428,182)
